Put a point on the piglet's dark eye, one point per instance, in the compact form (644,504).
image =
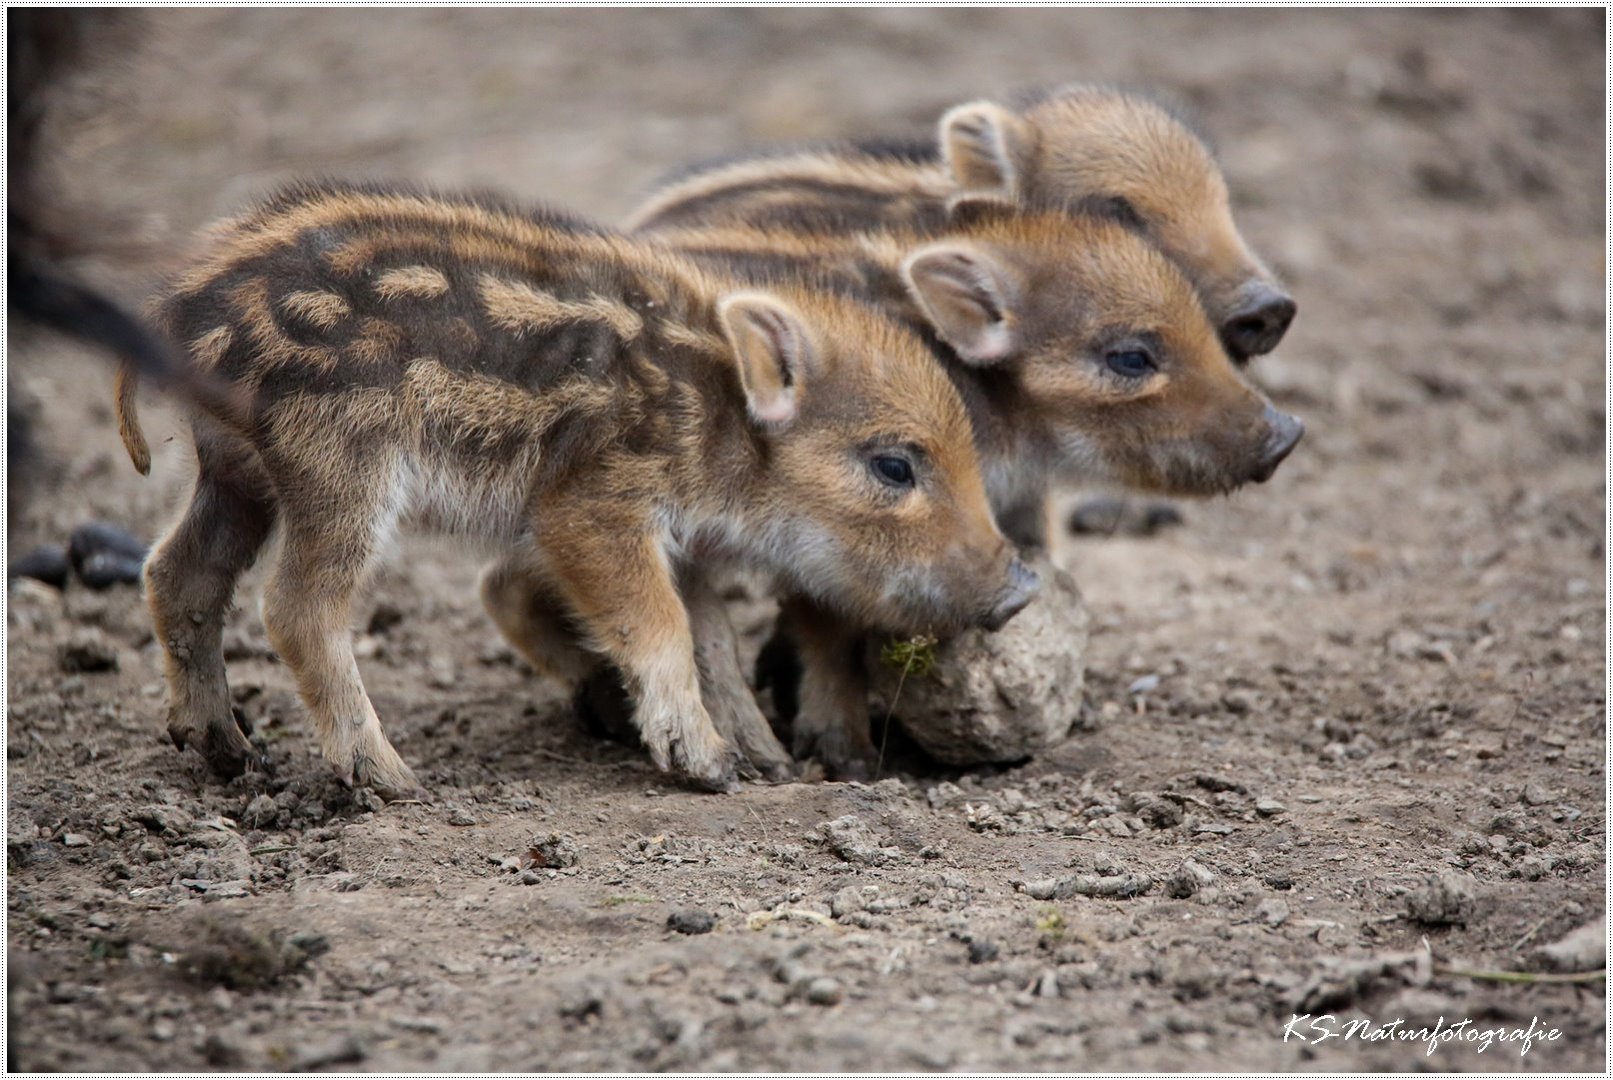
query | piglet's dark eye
(1120,209)
(895,471)
(1129,363)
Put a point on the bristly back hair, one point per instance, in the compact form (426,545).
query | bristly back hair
(296,192)
(1173,104)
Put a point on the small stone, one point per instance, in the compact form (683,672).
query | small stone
(336,1050)
(164,1030)
(851,838)
(103,538)
(87,650)
(1273,912)
(982,952)
(1269,807)
(529,877)
(74,839)
(847,901)
(260,812)
(441,673)
(824,991)
(1444,900)
(1584,949)
(385,616)
(1041,889)
(1157,811)
(460,817)
(426,1025)
(554,852)
(1188,879)
(1535,795)
(691,922)
(1238,702)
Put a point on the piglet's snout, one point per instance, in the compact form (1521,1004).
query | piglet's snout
(1023,584)
(1284,433)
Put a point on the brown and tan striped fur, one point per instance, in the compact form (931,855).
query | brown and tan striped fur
(1083,148)
(600,407)
(1023,310)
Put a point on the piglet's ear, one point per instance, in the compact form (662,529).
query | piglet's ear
(984,145)
(774,352)
(968,297)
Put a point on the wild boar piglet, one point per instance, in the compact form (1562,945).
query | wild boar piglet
(600,407)
(1085,149)
(1082,355)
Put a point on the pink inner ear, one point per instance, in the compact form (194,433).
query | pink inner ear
(993,343)
(779,409)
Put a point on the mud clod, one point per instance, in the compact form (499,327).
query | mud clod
(1444,900)
(824,991)
(983,952)
(88,650)
(1188,879)
(850,838)
(996,697)
(554,852)
(221,952)
(691,922)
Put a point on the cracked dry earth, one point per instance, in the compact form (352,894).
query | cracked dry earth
(1343,736)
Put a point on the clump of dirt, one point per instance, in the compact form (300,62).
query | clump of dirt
(222,952)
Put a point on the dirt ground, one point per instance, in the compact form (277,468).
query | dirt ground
(1383,668)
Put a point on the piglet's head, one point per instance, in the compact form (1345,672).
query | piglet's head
(1112,368)
(871,498)
(1126,157)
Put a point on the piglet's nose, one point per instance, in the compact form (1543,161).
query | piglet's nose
(1260,323)
(1284,433)
(1023,584)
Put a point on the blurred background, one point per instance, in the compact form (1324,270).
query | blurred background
(1409,619)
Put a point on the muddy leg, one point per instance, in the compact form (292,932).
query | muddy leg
(626,602)
(727,696)
(535,623)
(533,619)
(778,667)
(307,609)
(190,582)
(832,723)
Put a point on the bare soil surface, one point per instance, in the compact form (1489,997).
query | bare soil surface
(1383,668)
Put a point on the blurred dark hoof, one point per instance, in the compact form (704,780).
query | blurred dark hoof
(104,555)
(47,563)
(1108,516)
(778,667)
(604,707)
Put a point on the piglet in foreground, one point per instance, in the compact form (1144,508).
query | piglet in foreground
(601,406)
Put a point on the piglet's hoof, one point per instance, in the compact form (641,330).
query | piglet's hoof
(104,555)
(721,776)
(223,746)
(394,783)
(602,703)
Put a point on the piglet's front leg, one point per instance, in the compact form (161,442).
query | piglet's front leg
(832,721)
(723,688)
(625,599)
